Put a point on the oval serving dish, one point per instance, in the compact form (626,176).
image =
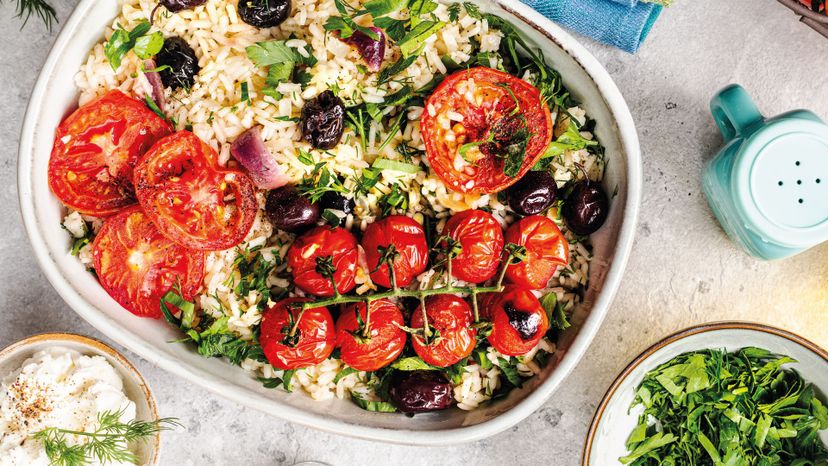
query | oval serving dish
(135,387)
(55,95)
(614,421)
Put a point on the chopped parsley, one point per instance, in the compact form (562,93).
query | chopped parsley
(122,41)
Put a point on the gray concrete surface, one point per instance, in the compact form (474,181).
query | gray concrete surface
(683,269)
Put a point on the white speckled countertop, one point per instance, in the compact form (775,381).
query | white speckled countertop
(683,269)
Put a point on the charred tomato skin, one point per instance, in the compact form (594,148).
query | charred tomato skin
(192,199)
(386,339)
(420,391)
(323,241)
(95,151)
(481,239)
(451,317)
(546,250)
(264,13)
(323,120)
(408,238)
(494,99)
(314,339)
(518,320)
(137,265)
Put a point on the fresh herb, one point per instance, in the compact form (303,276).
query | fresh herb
(570,140)
(280,61)
(715,407)
(509,369)
(305,157)
(395,29)
(454,12)
(412,363)
(472,10)
(414,40)
(398,67)
(394,165)
(345,25)
(285,381)
(319,182)
(554,311)
(376,406)
(108,443)
(137,40)
(377,8)
(366,181)
(394,200)
(245,93)
(40,8)
(331,218)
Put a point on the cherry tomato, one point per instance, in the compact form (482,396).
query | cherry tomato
(190,198)
(386,339)
(518,321)
(409,240)
(546,249)
(481,238)
(321,242)
(95,150)
(312,343)
(484,129)
(137,265)
(451,317)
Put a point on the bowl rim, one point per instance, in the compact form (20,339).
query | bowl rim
(629,145)
(680,335)
(58,337)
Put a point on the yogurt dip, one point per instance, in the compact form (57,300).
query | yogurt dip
(56,387)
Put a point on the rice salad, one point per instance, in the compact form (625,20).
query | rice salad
(381,166)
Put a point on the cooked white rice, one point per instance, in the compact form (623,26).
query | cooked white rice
(217,114)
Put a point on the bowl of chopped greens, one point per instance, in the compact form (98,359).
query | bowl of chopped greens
(725,393)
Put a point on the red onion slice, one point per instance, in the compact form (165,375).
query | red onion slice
(155,82)
(250,151)
(372,51)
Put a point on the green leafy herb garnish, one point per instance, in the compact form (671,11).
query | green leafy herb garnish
(376,406)
(137,40)
(109,443)
(719,408)
(280,61)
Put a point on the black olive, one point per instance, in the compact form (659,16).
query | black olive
(420,391)
(175,6)
(335,201)
(533,193)
(526,323)
(586,208)
(322,120)
(289,210)
(264,13)
(182,62)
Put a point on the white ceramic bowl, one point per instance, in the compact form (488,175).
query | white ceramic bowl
(613,421)
(135,388)
(55,95)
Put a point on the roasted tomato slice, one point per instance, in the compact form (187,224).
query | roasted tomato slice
(190,198)
(484,129)
(95,150)
(546,249)
(409,241)
(451,318)
(481,239)
(518,320)
(383,343)
(137,265)
(314,246)
(312,342)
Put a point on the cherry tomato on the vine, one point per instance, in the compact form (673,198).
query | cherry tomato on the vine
(451,318)
(385,339)
(481,240)
(408,238)
(322,242)
(312,342)
(518,320)
(546,250)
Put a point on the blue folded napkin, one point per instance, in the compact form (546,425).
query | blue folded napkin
(622,23)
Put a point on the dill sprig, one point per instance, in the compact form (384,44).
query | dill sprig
(40,8)
(109,443)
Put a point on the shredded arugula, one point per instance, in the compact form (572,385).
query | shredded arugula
(720,408)
(122,41)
